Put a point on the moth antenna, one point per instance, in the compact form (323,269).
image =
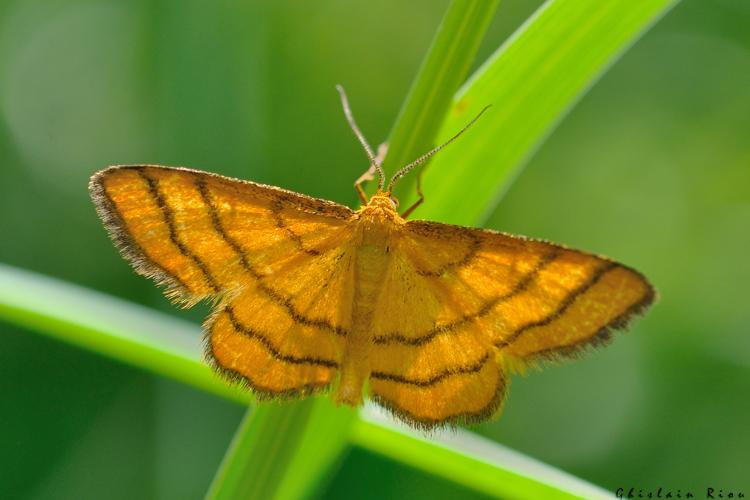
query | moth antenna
(405,169)
(361,137)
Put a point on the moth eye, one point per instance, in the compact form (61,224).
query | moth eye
(394,201)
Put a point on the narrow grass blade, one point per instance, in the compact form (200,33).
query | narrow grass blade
(296,426)
(283,451)
(471,461)
(531,82)
(446,66)
(112,327)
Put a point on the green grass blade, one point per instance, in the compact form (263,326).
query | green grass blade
(444,68)
(531,81)
(447,63)
(471,461)
(283,452)
(112,327)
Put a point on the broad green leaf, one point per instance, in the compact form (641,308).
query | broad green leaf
(531,81)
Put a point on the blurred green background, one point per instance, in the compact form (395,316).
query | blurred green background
(651,168)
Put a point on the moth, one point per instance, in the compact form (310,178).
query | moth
(427,319)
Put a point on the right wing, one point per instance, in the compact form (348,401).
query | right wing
(464,305)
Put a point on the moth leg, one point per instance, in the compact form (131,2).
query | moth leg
(409,210)
(382,151)
(369,174)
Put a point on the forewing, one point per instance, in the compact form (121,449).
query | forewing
(529,298)
(164,220)
(270,257)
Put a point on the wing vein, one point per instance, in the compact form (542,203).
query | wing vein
(603,333)
(569,299)
(168,216)
(466,369)
(468,417)
(465,260)
(271,348)
(276,208)
(485,309)
(275,296)
(126,241)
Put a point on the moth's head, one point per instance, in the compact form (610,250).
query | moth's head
(385,201)
(382,200)
(381,204)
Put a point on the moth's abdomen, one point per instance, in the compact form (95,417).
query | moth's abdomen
(371,263)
